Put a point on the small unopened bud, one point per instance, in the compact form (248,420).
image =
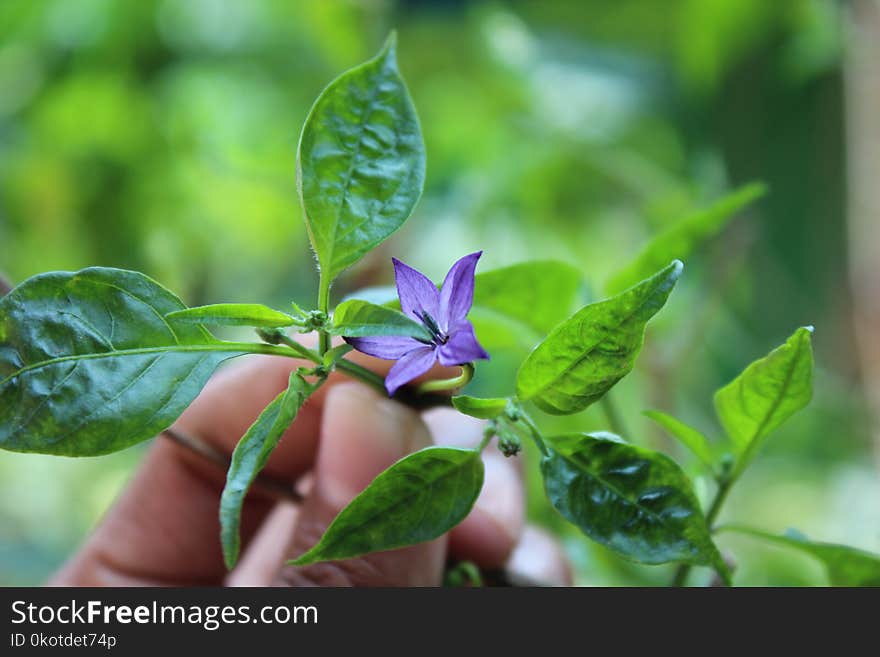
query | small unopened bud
(271,335)
(726,463)
(316,320)
(509,445)
(321,371)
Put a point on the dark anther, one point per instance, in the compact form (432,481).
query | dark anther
(434,329)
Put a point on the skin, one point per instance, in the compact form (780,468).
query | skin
(163,529)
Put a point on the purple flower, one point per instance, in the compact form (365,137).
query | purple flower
(443,312)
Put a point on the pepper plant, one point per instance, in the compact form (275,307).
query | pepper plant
(98,360)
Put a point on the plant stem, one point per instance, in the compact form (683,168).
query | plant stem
(488,435)
(720,496)
(324,307)
(408,396)
(612,414)
(680,577)
(724,487)
(441,385)
(362,374)
(534,431)
(352,369)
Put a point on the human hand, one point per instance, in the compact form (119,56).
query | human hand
(163,529)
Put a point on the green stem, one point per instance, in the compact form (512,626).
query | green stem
(612,414)
(534,432)
(442,385)
(720,496)
(408,396)
(488,435)
(324,307)
(362,374)
(724,486)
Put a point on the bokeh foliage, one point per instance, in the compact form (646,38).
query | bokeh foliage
(160,136)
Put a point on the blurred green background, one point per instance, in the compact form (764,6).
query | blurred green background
(160,136)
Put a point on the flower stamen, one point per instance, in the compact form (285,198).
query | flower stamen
(440,338)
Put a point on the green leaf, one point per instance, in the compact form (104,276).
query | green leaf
(767,393)
(586,355)
(360,162)
(687,436)
(846,566)
(637,502)
(485,409)
(417,499)
(89,364)
(530,296)
(233,314)
(356,319)
(682,238)
(250,457)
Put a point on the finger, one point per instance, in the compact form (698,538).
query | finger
(362,434)
(538,557)
(267,552)
(164,527)
(227,407)
(493,527)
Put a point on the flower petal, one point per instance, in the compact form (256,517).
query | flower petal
(417,293)
(413,364)
(462,346)
(387,347)
(457,291)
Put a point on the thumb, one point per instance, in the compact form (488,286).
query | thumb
(362,434)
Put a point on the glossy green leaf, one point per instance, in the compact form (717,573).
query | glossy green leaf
(846,566)
(485,409)
(586,355)
(356,319)
(233,314)
(360,162)
(250,457)
(767,393)
(417,499)
(695,441)
(89,364)
(635,501)
(682,238)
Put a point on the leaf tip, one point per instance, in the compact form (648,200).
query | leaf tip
(300,561)
(389,48)
(756,189)
(230,555)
